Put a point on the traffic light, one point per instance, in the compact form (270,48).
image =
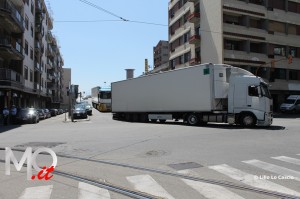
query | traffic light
(290,59)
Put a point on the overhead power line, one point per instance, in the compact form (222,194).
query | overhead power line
(113,14)
(102,9)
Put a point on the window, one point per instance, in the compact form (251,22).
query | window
(31,76)
(26,22)
(186,37)
(279,50)
(26,73)
(280,73)
(31,53)
(294,7)
(31,30)
(294,75)
(253,91)
(32,7)
(275,26)
(26,47)
(186,57)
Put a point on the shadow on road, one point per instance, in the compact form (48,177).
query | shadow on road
(287,115)
(8,128)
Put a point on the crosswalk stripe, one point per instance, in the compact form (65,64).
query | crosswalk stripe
(252,180)
(288,159)
(209,191)
(145,183)
(87,191)
(41,192)
(274,168)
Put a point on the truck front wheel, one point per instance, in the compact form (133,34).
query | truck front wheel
(248,120)
(192,119)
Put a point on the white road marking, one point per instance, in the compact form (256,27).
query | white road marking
(145,183)
(274,168)
(87,191)
(209,191)
(252,180)
(42,192)
(288,159)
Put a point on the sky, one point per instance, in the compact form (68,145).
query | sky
(99,52)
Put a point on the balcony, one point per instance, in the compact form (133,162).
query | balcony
(194,17)
(50,51)
(49,37)
(11,49)
(10,78)
(49,92)
(49,77)
(37,67)
(194,39)
(11,17)
(195,61)
(36,86)
(49,64)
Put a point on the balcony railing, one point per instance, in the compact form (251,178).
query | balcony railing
(195,61)
(194,17)
(194,39)
(36,86)
(8,7)
(11,76)
(6,42)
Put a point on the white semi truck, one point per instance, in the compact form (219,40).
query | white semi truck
(198,94)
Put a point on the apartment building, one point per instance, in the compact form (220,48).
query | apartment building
(25,26)
(257,35)
(161,56)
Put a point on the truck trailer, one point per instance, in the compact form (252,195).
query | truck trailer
(198,94)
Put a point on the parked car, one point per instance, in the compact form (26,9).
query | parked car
(89,109)
(54,112)
(28,115)
(47,112)
(60,111)
(291,104)
(79,111)
(42,114)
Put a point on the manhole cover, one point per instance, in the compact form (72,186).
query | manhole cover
(40,144)
(186,165)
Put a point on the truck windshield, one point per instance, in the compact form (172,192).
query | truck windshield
(105,94)
(265,90)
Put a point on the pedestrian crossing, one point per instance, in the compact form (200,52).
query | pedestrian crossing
(151,184)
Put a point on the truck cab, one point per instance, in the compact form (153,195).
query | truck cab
(249,100)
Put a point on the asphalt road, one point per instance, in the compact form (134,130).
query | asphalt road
(260,158)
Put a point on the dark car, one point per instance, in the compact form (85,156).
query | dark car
(79,111)
(47,112)
(28,115)
(42,114)
(60,111)
(54,112)
(89,109)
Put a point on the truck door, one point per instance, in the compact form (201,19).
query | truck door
(253,98)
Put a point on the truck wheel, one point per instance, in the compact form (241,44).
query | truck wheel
(153,120)
(162,121)
(248,120)
(192,119)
